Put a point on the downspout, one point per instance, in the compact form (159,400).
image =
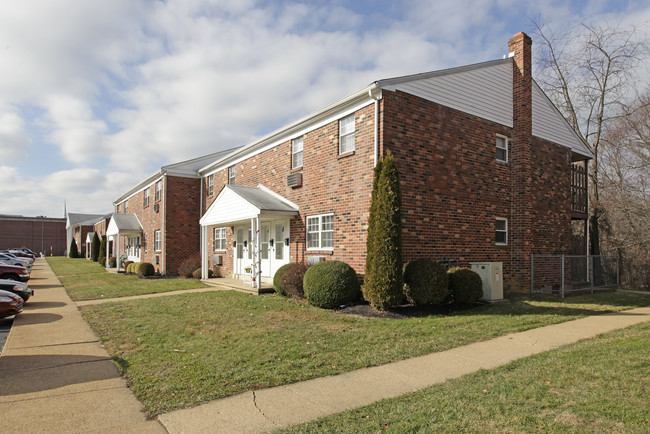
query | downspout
(163,236)
(375,93)
(204,267)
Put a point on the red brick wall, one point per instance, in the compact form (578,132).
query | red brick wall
(47,235)
(331,184)
(181,237)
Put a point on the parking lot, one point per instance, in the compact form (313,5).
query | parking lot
(5,326)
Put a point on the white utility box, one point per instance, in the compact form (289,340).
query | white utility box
(492,276)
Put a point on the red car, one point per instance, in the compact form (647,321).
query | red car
(10,304)
(13,272)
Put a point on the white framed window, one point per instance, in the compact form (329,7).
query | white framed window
(126,207)
(144,241)
(146,197)
(501,231)
(158,194)
(320,232)
(231,175)
(346,134)
(157,241)
(219,242)
(210,185)
(296,152)
(118,209)
(502,148)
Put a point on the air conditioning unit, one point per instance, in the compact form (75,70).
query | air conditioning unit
(492,277)
(294,180)
(311,260)
(156,259)
(156,207)
(217,259)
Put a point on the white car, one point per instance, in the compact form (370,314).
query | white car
(10,259)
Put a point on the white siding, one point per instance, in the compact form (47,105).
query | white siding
(228,207)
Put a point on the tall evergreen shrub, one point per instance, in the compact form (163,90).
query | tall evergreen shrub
(383,282)
(74,253)
(94,250)
(102,251)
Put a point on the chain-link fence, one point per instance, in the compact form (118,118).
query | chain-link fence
(566,274)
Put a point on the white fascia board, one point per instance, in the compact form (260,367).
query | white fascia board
(334,111)
(151,180)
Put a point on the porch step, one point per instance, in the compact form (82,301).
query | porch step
(237,285)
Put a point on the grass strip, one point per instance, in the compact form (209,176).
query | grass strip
(183,350)
(597,385)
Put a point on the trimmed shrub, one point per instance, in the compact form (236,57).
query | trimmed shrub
(292,280)
(197,274)
(128,267)
(187,267)
(383,286)
(73,253)
(465,285)
(425,282)
(94,248)
(331,284)
(277,279)
(102,252)
(112,262)
(143,269)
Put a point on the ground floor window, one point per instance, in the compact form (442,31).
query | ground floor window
(320,232)
(157,241)
(219,242)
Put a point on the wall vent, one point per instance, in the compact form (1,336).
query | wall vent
(217,259)
(294,180)
(311,260)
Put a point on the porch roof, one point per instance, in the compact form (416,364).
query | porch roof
(124,224)
(89,237)
(236,203)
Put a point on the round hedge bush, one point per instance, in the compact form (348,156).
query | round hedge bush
(197,274)
(331,284)
(425,282)
(143,269)
(292,281)
(277,279)
(465,285)
(128,266)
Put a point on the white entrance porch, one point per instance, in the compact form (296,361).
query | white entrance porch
(124,225)
(260,220)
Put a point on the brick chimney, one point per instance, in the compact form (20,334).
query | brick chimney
(521,220)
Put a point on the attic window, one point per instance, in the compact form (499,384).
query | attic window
(502,148)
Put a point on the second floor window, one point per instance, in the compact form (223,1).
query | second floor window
(231,175)
(210,185)
(146,197)
(502,149)
(346,134)
(158,195)
(296,152)
(126,207)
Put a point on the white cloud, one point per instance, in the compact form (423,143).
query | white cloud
(14,139)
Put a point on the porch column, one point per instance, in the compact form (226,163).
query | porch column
(108,252)
(117,251)
(258,249)
(204,252)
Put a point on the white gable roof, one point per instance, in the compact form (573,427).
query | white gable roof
(237,203)
(485,90)
(124,224)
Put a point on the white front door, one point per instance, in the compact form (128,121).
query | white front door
(265,253)
(274,247)
(280,249)
(243,249)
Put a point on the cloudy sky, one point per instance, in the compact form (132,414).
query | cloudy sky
(95,95)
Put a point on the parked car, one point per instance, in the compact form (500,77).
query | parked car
(18,288)
(24,250)
(21,254)
(14,260)
(13,272)
(10,304)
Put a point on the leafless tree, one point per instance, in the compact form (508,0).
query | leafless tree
(590,73)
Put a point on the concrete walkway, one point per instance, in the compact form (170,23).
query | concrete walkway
(54,374)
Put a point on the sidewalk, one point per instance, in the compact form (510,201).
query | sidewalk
(54,374)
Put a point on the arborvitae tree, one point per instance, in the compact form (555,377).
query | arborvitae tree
(383,286)
(372,232)
(74,253)
(102,252)
(94,251)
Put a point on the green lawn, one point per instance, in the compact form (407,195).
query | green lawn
(179,351)
(87,280)
(597,385)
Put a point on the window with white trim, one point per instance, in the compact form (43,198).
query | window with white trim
(219,242)
(146,198)
(210,185)
(157,241)
(126,207)
(144,241)
(158,194)
(118,209)
(231,175)
(296,152)
(502,148)
(320,232)
(501,231)
(346,134)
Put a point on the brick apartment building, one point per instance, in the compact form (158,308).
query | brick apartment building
(157,220)
(40,234)
(490,171)
(79,227)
